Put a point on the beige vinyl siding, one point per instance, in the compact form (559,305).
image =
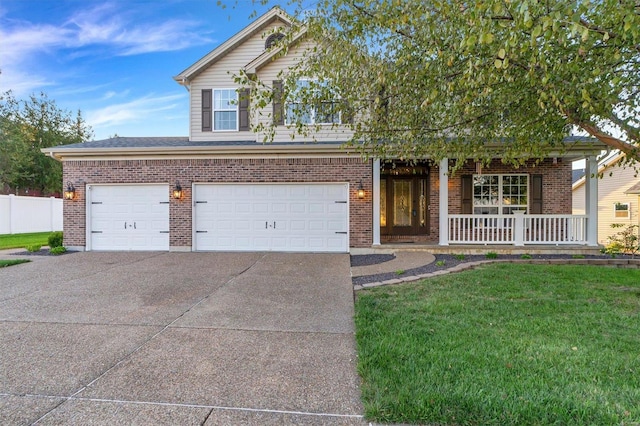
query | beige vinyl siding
(220,76)
(611,188)
(285,133)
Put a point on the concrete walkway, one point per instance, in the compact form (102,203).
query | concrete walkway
(178,338)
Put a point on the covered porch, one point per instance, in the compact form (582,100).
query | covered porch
(454,213)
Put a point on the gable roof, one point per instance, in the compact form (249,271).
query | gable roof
(604,164)
(274,14)
(635,189)
(270,54)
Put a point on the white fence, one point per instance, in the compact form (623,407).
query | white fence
(517,229)
(29,214)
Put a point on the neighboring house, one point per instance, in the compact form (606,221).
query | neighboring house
(222,188)
(618,196)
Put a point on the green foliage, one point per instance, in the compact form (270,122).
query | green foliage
(624,241)
(433,79)
(55,239)
(459,256)
(11,262)
(491,255)
(33,248)
(27,126)
(440,263)
(525,256)
(577,256)
(506,344)
(58,250)
(400,271)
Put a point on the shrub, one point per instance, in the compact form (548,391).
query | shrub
(525,256)
(400,271)
(440,263)
(577,256)
(58,250)
(459,256)
(55,239)
(34,248)
(491,255)
(624,241)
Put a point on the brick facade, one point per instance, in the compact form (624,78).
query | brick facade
(188,171)
(556,187)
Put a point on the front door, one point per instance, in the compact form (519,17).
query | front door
(404,200)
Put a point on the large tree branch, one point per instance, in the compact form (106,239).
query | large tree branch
(632,151)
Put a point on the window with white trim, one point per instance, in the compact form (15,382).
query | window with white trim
(322,112)
(621,211)
(500,194)
(225,109)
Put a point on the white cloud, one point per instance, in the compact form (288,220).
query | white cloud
(135,111)
(115,31)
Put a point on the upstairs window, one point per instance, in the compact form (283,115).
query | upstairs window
(225,109)
(299,109)
(500,194)
(273,39)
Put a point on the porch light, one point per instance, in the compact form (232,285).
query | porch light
(360,191)
(177,192)
(70,193)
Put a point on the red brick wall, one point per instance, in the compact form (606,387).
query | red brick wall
(351,170)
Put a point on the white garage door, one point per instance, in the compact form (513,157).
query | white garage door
(128,217)
(278,217)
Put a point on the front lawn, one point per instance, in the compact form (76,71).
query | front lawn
(505,344)
(8,241)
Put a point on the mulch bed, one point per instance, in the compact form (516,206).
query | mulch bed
(41,252)
(449,262)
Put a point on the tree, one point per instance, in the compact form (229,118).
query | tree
(447,77)
(28,125)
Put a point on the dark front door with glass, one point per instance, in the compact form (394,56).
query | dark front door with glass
(404,200)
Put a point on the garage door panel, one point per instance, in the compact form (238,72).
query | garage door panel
(129,217)
(284,217)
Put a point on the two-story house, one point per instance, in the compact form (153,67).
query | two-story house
(222,188)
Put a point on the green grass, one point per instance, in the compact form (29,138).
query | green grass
(8,241)
(503,345)
(5,263)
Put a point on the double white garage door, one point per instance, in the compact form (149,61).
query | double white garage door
(226,217)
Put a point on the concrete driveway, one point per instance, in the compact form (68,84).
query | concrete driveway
(178,338)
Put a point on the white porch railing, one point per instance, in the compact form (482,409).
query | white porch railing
(517,229)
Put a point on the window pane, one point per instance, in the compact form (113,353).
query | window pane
(402,203)
(298,113)
(326,113)
(224,99)
(224,120)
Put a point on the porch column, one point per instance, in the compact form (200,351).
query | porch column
(443,208)
(376,202)
(591,200)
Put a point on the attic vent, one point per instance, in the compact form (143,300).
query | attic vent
(273,39)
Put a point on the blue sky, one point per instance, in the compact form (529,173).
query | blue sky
(113,60)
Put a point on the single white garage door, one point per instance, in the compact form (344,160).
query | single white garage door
(271,217)
(128,217)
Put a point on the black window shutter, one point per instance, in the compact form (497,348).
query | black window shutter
(207,104)
(278,106)
(467,194)
(536,194)
(243,110)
